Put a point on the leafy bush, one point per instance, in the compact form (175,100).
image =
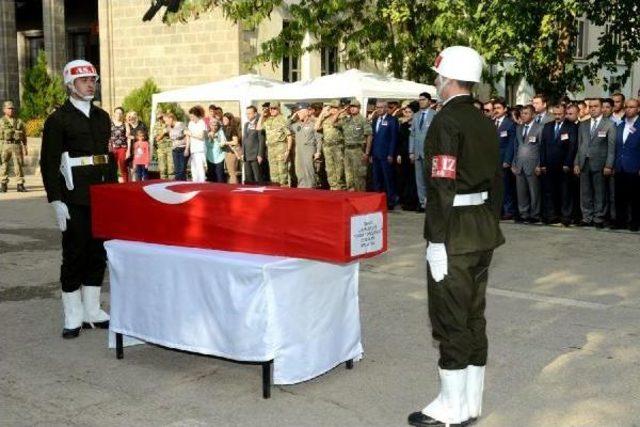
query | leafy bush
(172,107)
(139,100)
(42,93)
(34,127)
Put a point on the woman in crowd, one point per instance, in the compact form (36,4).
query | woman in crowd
(406,174)
(133,126)
(119,143)
(178,145)
(196,134)
(215,155)
(232,146)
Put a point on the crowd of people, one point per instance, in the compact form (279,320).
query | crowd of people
(574,162)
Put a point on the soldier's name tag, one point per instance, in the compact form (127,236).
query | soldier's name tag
(532,139)
(564,136)
(503,134)
(444,166)
(358,128)
(602,134)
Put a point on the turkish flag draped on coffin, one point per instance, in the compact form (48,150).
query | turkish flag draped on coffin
(334,226)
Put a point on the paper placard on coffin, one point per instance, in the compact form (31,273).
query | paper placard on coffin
(334,226)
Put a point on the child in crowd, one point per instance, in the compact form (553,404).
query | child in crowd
(141,155)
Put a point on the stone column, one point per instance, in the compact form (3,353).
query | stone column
(55,35)
(8,52)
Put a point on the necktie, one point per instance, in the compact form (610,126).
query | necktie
(526,131)
(422,119)
(594,125)
(538,119)
(557,131)
(497,123)
(378,124)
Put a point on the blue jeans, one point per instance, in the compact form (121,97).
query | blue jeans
(180,163)
(215,172)
(141,173)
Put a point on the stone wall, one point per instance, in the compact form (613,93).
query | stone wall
(203,50)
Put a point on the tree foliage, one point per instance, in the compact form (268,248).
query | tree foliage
(139,100)
(41,92)
(533,39)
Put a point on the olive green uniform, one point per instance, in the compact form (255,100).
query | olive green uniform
(462,153)
(13,135)
(333,152)
(355,129)
(164,150)
(276,131)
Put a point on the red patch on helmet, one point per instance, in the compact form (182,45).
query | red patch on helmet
(437,61)
(444,166)
(82,69)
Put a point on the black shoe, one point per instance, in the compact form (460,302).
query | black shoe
(3,188)
(421,420)
(420,209)
(95,325)
(599,225)
(21,188)
(634,228)
(585,224)
(533,220)
(566,223)
(70,333)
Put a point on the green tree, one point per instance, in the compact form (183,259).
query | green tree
(534,39)
(139,100)
(41,93)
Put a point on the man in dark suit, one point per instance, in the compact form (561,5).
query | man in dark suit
(507,135)
(594,162)
(627,168)
(253,148)
(385,134)
(558,151)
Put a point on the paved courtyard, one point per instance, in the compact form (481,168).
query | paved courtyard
(564,330)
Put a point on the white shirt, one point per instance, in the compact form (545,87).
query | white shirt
(197,130)
(499,121)
(82,105)
(380,120)
(594,123)
(628,125)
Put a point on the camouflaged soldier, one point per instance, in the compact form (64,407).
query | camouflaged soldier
(13,147)
(163,147)
(277,130)
(357,140)
(330,124)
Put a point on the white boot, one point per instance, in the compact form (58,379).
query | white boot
(450,406)
(94,317)
(475,387)
(73,312)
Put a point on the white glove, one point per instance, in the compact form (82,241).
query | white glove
(437,260)
(62,214)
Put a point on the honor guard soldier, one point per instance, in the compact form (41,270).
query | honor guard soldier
(163,146)
(357,147)
(75,155)
(464,193)
(278,144)
(13,147)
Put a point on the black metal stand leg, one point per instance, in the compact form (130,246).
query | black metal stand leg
(350,364)
(266,379)
(119,351)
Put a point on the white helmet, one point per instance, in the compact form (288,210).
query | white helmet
(78,68)
(459,63)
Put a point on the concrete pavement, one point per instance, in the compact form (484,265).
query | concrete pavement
(563,316)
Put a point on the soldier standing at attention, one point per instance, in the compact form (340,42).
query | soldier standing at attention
(308,144)
(278,143)
(464,193)
(13,147)
(75,155)
(332,144)
(357,147)
(163,147)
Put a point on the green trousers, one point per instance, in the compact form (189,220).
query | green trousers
(8,153)
(456,310)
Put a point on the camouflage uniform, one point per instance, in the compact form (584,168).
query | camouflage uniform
(277,130)
(355,130)
(333,152)
(164,150)
(13,133)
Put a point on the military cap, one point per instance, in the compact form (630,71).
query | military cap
(8,104)
(302,106)
(334,103)
(274,104)
(354,103)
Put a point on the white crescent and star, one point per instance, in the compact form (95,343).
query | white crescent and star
(161,193)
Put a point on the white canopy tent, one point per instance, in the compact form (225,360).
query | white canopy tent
(350,84)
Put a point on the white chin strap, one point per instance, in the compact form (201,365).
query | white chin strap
(73,89)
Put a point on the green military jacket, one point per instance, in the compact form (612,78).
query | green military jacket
(276,130)
(160,129)
(12,130)
(355,129)
(462,157)
(332,132)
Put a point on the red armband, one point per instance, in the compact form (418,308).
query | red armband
(444,166)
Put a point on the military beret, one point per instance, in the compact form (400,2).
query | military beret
(302,106)
(274,104)
(8,104)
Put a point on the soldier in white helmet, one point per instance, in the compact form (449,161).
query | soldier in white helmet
(75,155)
(464,193)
